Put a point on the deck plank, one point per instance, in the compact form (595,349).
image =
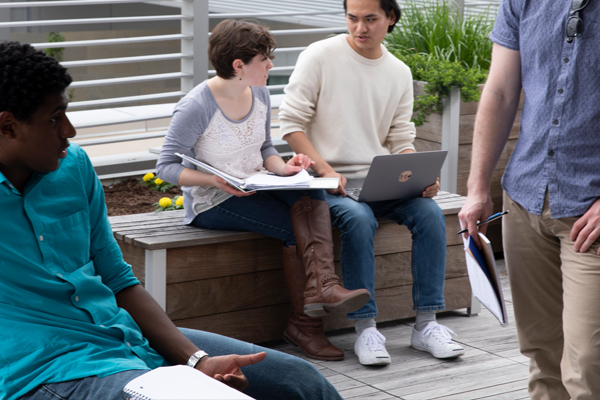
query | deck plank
(492,367)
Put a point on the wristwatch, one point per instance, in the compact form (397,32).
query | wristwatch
(196,357)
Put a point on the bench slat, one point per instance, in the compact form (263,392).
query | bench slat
(165,230)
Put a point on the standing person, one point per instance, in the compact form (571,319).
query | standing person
(551,185)
(225,122)
(349,100)
(74,321)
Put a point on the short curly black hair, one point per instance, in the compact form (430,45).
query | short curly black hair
(27,75)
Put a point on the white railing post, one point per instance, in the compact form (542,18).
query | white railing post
(198,27)
(450,133)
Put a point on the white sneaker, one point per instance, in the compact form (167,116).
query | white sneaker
(437,340)
(370,348)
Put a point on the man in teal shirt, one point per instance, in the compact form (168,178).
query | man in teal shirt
(75,322)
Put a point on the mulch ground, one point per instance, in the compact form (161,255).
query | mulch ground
(130,197)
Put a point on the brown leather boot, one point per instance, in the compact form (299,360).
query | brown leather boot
(323,294)
(304,331)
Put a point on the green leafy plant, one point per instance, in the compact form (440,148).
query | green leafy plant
(435,27)
(443,49)
(441,76)
(167,204)
(156,183)
(58,52)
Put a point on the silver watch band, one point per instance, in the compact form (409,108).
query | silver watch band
(196,357)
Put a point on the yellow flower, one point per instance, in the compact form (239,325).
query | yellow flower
(164,202)
(148,176)
(158,181)
(179,201)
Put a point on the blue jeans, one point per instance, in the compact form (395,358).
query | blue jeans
(279,376)
(266,212)
(357,222)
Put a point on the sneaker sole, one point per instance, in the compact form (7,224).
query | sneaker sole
(458,353)
(378,361)
(349,304)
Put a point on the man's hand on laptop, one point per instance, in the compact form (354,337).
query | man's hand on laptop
(340,189)
(432,191)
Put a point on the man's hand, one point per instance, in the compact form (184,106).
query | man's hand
(586,229)
(222,184)
(476,208)
(342,184)
(226,369)
(432,191)
(297,164)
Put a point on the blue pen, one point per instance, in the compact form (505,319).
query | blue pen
(490,219)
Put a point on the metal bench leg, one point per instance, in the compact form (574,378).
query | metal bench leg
(156,275)
(475,306)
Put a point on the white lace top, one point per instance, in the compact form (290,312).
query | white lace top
(200,129)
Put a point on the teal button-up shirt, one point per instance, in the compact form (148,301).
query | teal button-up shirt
(60,269)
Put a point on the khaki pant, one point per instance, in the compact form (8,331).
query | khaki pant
(556,295)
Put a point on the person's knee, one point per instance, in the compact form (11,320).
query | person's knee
(431,214)
(358,218)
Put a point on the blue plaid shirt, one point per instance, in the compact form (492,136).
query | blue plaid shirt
(559,144)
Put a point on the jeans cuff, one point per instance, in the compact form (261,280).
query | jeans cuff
(362,316)
(430,308)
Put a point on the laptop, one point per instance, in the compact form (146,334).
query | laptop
(397,176)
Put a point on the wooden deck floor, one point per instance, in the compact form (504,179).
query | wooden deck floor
(492,367)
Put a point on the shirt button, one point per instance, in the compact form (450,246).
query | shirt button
(555,122)
(102,326)
(550,153)
(127,343)
(76,298)
(560,91)
(41,238)
(566,60)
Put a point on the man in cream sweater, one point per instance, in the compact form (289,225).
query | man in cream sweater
(349,100)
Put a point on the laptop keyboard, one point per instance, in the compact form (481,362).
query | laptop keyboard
(353,193)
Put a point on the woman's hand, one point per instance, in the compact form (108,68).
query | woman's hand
(297,164)
(222,184)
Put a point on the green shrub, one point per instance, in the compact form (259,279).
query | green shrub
(441,76)
(58,52)
(443,49)
(436,28)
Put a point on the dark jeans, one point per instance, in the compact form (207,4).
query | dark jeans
(266,212)
(279,376)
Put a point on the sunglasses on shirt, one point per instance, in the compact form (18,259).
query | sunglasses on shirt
(575,23)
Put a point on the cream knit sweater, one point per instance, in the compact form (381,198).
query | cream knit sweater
(351,108)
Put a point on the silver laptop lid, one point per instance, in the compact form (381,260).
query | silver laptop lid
(401,176)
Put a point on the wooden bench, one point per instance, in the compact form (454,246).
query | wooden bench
(232,283)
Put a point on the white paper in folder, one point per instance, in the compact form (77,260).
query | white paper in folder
(179,382)
(483,276)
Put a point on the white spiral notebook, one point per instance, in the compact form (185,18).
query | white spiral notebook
(179,382)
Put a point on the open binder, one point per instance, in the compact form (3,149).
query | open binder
(483,276)
(259,181)
(179,382)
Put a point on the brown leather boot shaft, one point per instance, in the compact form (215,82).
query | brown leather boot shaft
(312,228)
(302,330)
(295,278)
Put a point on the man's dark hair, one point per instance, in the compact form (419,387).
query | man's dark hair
(389,7)
(232,40)
(27,75)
